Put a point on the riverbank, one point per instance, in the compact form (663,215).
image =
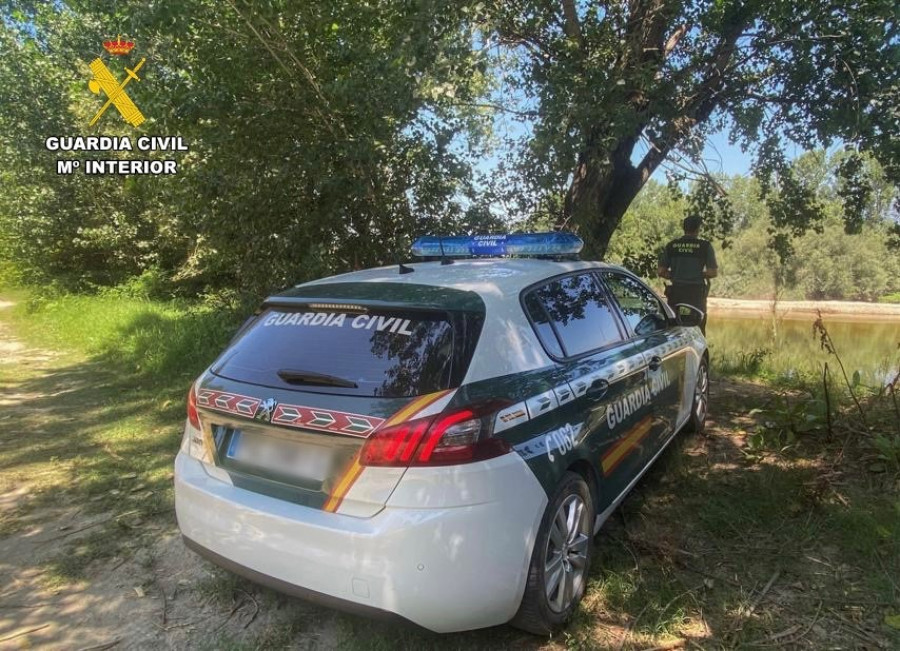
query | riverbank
(837,310)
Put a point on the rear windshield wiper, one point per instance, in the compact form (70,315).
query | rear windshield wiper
(292,376)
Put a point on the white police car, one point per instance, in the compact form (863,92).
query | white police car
(438,442)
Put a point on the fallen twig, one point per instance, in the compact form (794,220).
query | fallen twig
(859,632)
(665,646)
(813,623)
(742,615)
(88,526)
(767,641)
(20,634)
(887,574)
(661,551)
(631,626)
(165,608)
(102,646)
(166,629)
(255,605)
(112,453)
(843,601)
(765,590)
(778,638)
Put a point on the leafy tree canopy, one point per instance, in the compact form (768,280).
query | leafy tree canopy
(827,262)
(325,135)
(322,136)
(615,90)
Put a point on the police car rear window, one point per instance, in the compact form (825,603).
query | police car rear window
(388,354)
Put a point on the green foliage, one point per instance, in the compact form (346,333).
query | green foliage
(760,260)
(620,90)
(786,421)
(888,447)
(653,219)
(748,363)
(154,340)
(322,137)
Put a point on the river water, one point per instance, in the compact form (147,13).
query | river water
(788,348)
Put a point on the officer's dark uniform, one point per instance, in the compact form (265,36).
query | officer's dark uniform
(686,258)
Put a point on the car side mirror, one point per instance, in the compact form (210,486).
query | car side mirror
(688,315)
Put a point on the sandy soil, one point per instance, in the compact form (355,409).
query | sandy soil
(837,310)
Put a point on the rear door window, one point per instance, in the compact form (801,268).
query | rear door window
(580,313)
(542,326)
(388,354)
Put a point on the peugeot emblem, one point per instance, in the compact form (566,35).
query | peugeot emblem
(265,410)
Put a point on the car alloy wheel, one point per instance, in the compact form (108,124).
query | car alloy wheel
(701,395)
(566,557)
(561,558)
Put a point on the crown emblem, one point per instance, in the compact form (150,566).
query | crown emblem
(118,46)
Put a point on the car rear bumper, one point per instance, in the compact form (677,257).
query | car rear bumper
(446,569)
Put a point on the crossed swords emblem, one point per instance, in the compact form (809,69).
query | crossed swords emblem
(105,81)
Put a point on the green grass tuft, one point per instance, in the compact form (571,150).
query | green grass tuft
(152,341)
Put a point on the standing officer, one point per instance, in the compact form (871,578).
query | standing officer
(688,262)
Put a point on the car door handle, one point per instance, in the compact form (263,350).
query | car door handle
(597,390)
(655,363)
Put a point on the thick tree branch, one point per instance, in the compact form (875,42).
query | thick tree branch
(535,45)
(701,104)
(266,42)
(644,32)
(572,26)
(771,99)
(672,42)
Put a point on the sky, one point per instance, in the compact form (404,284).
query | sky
(722,157)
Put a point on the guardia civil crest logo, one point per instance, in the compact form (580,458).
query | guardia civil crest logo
(105,83)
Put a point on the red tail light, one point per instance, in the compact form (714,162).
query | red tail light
(460,436)
(192,415)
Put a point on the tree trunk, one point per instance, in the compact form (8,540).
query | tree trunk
(600,193)
(605,181)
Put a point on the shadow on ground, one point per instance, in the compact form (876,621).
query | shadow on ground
(714,549)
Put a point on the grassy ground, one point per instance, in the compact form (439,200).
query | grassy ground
(767,531)
(102,428)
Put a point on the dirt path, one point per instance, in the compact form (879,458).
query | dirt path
(154,594)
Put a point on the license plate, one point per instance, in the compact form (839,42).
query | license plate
(278,455)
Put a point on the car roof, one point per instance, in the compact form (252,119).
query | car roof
(507,343)
(485,276)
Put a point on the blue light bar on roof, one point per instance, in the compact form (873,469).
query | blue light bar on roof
(494,245)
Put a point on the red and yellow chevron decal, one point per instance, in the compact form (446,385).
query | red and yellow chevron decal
(411,410)
(230,403)
(351,474)
(325,420)
(625,445)
(315,418)
(354,469)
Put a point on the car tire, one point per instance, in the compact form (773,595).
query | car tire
(700,402)
(563,548)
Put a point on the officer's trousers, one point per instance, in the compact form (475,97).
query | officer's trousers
(692,295)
